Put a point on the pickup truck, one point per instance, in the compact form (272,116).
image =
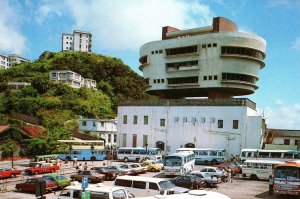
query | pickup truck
(94,190)
(43,168)
(9,172)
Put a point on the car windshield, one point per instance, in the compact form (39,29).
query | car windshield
(218,169)
(287,173)
(166,184)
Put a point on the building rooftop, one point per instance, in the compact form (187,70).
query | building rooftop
(192,102)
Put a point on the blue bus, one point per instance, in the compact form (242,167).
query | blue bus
(84,150)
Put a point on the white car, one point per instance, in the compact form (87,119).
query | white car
(214,171)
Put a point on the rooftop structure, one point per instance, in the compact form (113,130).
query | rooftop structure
(79,41)
(214,61)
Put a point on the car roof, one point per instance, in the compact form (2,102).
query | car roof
(141,178)
(93,187)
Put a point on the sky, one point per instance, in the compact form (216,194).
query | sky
(120,27)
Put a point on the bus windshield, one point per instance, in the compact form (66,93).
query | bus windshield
(173,161)
(287,173)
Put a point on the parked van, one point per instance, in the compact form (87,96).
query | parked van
(148,186)
(259,169)
(74,191)
(193,194)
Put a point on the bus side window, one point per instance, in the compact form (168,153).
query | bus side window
(255,165)
(121,151)
(243,154)
(153,186)
(263,166)
(249,155)
(143,151)
(139,185)
(135,151)
(213,153)
(128,151)
(124,183)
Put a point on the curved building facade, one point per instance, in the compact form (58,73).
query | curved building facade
(215,61)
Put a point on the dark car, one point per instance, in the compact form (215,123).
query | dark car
(30,184)
(109,175)
(189,181)
(92,175)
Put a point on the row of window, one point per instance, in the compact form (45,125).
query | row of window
(209,45)
(156,52)
(242,51)
(182,64)
(181,50)
(84,123)
(239,77)
(235,123)
(158,81)
(183,80)
(210,77)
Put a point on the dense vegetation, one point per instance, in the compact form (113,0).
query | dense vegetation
(53,104)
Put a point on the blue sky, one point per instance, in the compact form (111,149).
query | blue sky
(120,27)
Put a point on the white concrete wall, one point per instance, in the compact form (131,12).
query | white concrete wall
(202,134)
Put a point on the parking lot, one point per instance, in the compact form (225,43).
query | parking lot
(240,188)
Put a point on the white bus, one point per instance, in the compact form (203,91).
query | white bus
(263,154)
(139,153)
(259,169)
(207,156)
(179,163)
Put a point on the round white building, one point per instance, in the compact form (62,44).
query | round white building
(215,61)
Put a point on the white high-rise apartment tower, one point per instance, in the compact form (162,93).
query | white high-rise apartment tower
(79,41)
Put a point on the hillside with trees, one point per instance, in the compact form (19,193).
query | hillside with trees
(54,104)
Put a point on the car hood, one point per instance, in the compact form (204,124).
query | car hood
(180,189)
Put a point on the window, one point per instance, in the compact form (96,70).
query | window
(115,138)
(154,81)
(183,80)
(181,50)
(204,77)
(83,123)
(242,51)
(124,140)
(162,122)
(160,51)
(214,44)
(134,140)
(194,119)
(118,194)
(146,119)
(123,183)
(124,119)
(158,80)
(297,142)
(203,119)
(94,124)
(153,186)
(176,65)
(145,140)
(215,77)
(286,141)
(208,45)
(152,52)
(235,124)
(210,77)
(139,185)
(204,46)
(220,124)
(102,124)
(135,119)
(156,52)
(109,138)
(184,119)
(143,59)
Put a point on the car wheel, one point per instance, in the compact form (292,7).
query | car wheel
(20,189)
(52,170)
(90,180)
(36,173)
(125,159)
(152,169)
(13,175)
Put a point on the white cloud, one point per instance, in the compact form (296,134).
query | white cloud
(48,9)
(121,25)
(11,40)
(283,117)
(296,44)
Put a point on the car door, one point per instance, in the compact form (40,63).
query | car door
(29,185)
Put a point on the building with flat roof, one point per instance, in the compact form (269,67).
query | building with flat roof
(79,41)
(215,61)
(7,61)
(282,139)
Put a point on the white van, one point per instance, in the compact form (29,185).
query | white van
(74,191)
(193,194)
(147,186)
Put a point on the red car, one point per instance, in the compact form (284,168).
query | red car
(9,172)
(229,165)
(30,184)
(43,168)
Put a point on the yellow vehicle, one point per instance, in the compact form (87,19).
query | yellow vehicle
(152,165)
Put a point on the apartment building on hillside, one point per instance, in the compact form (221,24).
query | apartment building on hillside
(79,41)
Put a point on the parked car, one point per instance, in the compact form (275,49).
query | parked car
(228,165)
(93,176)
(188,181)
(61,181)
(30,184)
(9,172)
(137,168)
(43,168)
(119,170)
(152,165)
(210,181)
(211,170)
(109,175)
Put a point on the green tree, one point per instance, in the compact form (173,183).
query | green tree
(8,149)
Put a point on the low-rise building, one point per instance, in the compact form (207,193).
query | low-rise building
(103,128)
(16,86)
(231,124)
(72,79)
(7,61)
(282,139)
